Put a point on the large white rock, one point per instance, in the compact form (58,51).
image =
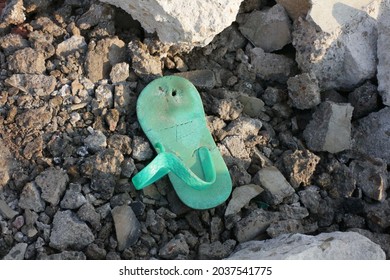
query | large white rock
(337,42)
(178,22)
(325,246)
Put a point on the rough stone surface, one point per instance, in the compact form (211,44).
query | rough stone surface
(253,225)
(330,129)
(6,211)
(17,252)
(343,53)
(190,24)
(216,250)
(69,232)
(241,196)
(30,198)
(276,187)
(286,226)
(119,72)
(383,75)
(127,226)
(325,246)
(76,43)
(102,55)
(40,85)
(259,28)
(364,99)
(96,141)
(52,183)
(73,197)
(300,166)
(371,135)
(371,177)
(27,61)
(175,247)
(144,64)
(303,91)
(269,66)
(141,149)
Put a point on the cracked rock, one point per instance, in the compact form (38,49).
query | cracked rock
(69,232)
(330,129)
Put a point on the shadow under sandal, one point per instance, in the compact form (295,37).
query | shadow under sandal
(171,114)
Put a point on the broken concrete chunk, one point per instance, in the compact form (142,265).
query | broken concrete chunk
(259,28)
(17,252)
(186,24)
(145,65)
(371,135)
(330,128)
(304,91)
(269,66)
(30,198)
(337,42)
(53,182)
(74,44)
(27,61)
(364,99)
(276,187)
(6,211)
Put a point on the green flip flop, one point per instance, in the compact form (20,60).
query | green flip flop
(170,112)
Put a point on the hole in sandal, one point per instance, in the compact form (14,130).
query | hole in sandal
(174,92)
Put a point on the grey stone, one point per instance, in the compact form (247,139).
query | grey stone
(342,183)
(242,196)
(120,72)
(364,99)
(293,211)
(304,91)
(53,182)
(272,96)
(337,42)
(127,226)
(383,67)
(236,147)
(371,177)
(73,197)
(17,252)
(69,232)
(259,28)
(253,106)
(141,149)
(40,85)
(128,167)
(30,198)
(253,225)
(94,252)
(144,65)
(325,246)
(203,79)
(330,129)
(300,166)
(74,44)
(276,187)
(6,211)
(269,66)
(175,247)
(371,135)
(216,250)
(27,61)
(154,222)
(96,141)
(377,216)
(101,56)
(295,8)
(381,239)
(87,213)
(285,226)
(216,228)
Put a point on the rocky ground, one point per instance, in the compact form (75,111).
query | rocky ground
(307,145)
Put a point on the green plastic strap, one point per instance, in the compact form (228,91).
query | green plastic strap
(166,162)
